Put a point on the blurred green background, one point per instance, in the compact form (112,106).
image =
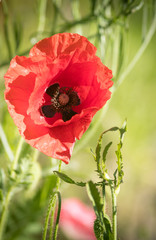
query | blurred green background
(118,34)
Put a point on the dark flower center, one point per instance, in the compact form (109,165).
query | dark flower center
(62,100)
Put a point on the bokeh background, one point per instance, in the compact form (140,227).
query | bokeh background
(118,29)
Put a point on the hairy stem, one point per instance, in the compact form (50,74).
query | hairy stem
(114,213)
(104,197)
(51,211)
(9,194)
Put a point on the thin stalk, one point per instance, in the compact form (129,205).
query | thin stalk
(15,162)
(76,15)
(122,77)
(139,53)
(104,197)
(5,214)
(6,144)
(42,16)
(58,217)
(114,213)
(10,191)
(6,28)
(35,155)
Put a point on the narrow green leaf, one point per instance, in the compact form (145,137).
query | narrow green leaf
(108,235)
(111,130)
(93,154)
(98,150)
(6,28)
(106,151)
(123,130)
(67,179)
(95,197)
(1,195)
(17,27)
(118,153)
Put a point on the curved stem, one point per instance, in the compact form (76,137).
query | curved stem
(10,191)
(139,53)
(141,50)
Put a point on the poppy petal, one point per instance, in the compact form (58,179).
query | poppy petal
(64,60)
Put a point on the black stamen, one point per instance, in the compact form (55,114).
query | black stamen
(68,115)
(62,100)
(47,111)
(74,99)
(53,90)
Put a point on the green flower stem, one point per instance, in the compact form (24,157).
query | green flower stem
(58,217)
(5,213)
(77,15)
(15,162)
(139,52)
(114,213)
(53,210)
(6,28)
(6,144)
(10,191)
(35,155)
(42,16)
(104,197)
(122,77)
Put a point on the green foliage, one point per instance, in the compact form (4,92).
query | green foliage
(119,156)
(67,179)
(27,215)
(100,158)
(104,155)
(98,229)
(51,208)
(94,196)
(19,25)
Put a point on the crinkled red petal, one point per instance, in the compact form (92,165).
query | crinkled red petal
(69,60)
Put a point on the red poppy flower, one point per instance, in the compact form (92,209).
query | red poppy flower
(77,220)
(53,94)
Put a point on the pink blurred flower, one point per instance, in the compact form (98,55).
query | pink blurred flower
(77,220)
